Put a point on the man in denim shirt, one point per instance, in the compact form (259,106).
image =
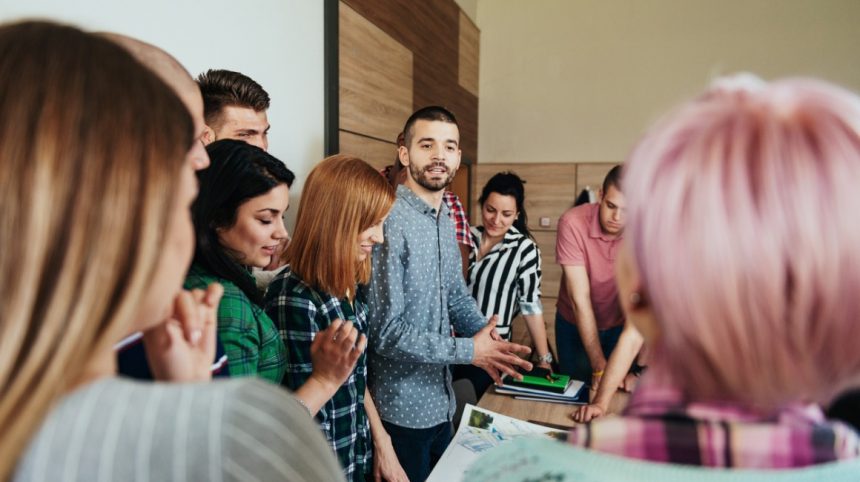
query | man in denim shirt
(416,294)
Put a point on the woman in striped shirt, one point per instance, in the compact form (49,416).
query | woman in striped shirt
(505,269)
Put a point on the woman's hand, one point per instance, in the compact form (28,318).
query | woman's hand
(587,413)
(385,463)
(334,353)
(182,348)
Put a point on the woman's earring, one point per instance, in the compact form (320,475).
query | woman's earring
(636,299)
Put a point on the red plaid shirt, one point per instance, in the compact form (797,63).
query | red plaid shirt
(458,215)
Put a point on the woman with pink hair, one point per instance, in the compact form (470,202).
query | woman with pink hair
(741,269)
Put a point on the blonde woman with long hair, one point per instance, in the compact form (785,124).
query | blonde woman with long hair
(97,236)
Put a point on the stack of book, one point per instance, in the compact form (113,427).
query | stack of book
(543,385)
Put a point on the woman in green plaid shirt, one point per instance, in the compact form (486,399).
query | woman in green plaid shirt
(344,204)
(238,219)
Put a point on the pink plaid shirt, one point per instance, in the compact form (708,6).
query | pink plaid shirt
(659,426)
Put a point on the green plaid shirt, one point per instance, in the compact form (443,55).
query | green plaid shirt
(249,337)
(300,312)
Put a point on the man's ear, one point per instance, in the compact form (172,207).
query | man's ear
(600,195)
(208,136)
(403,155)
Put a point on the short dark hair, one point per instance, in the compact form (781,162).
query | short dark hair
(429,113)
(509,184)
(238,172)
(613,178)
(223,88)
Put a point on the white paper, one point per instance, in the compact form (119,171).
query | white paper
(478,434)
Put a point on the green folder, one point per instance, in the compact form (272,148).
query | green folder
(541,379)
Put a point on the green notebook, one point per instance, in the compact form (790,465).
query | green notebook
(541,379)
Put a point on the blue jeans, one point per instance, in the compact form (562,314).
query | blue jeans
(572,358)
(418,449)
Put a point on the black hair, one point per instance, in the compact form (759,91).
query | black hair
(429,113)
(239,172)
(509,184)
(613,178)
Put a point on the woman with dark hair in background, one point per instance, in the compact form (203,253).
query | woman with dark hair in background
(238,219)
(505,269)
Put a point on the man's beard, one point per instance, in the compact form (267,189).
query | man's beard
(418,176)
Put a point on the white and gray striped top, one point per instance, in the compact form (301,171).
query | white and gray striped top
(506,281)
(118,429)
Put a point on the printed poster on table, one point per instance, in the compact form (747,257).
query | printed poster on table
(481,430)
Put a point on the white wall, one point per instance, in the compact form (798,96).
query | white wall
(579,80)
(278,43)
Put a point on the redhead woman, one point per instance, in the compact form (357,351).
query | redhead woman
(344,204)
(97,236)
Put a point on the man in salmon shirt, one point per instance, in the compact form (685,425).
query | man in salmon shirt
(589,318)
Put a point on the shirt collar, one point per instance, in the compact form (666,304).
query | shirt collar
(511,239)
(594,229)
(418,204)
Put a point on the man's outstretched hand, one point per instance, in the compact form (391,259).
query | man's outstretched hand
(498,357)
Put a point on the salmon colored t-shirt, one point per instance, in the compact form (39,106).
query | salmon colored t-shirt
(581,242)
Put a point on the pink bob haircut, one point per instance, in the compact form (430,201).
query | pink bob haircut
(744,222)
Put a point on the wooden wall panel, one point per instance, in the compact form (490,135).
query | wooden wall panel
(551,277)
(470,38)
(460,185)
(377,153)
(375,78)
(431,31)
(550,189)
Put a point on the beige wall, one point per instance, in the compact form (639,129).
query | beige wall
(579,80)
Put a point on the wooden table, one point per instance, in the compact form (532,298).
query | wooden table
(545,413)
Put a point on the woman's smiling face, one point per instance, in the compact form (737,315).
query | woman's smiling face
(253,239)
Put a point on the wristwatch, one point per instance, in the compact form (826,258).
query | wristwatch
(547,358)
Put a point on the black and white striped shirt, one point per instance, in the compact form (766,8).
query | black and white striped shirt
(506,281)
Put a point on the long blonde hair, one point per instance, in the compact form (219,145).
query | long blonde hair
(91,144)
(342,197)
